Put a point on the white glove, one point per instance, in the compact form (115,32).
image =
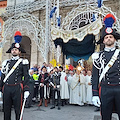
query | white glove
(96,101)
(26,94)
(41,84)
(58,86)
(0,94)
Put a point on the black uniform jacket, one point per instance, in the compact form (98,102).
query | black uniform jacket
(112,76)
(20,74)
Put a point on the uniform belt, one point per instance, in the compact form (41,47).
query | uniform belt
(12,84)
(111,84)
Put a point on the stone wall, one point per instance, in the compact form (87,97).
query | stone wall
(114,5)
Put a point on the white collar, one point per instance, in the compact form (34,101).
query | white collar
(109,49)
(15,58)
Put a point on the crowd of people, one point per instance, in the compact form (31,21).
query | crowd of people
(59,86)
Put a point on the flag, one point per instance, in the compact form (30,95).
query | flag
(52,11)
(58,21)
(53,62)
(100,2)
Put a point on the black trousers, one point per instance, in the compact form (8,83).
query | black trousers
(29,99)
(12,95)
(43,93)
(110,101)
(36,87)
(54,90)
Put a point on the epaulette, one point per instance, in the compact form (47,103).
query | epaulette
(25,61)
(95,55)
(4,63)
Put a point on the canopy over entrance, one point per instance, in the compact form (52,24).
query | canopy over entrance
(77,50)
(80,43)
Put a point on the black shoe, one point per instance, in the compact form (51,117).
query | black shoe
(66,102)
(30,105)
(62,104)
(58,108)
(91,105)
(52,107)
(1,110)
(97,109)
(27,107)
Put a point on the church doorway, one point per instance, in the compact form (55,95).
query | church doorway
(26,45)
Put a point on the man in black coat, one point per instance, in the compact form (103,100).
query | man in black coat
(55,83)
(14,84)
(44,86)
(31,89)
(106,73)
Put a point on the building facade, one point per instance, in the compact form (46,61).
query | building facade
(3,5)
(31,18)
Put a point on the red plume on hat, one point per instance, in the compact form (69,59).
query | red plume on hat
(17,38)
(109,20)
(17,33)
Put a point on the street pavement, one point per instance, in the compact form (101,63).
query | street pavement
(67,112)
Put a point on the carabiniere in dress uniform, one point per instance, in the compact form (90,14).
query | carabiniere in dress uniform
(14,79)
(106,72)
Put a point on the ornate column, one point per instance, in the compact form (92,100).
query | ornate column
(58,47)
(47,32)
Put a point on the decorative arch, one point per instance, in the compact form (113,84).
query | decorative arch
(26,45)
(29,26)
(84,13)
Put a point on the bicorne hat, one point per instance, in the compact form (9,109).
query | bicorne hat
(109,20)
(17,38)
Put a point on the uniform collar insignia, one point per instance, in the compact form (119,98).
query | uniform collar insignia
(15,58)
(109,49)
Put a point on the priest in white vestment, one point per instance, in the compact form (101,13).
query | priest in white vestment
(89,88)
(64,93)
(75,91)
(70,79)
(83,86)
